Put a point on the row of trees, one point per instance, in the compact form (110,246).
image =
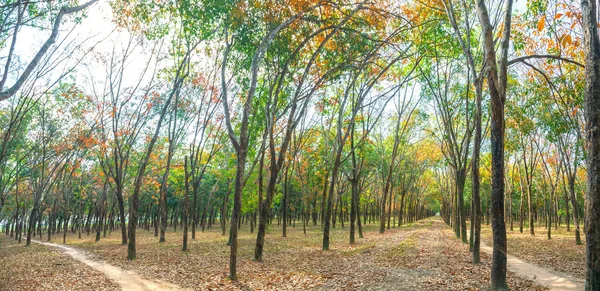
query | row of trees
(151,131)
(320,112)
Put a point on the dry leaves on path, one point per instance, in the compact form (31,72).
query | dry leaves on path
(39,267)
(420,256)
(443,262)
(559,253)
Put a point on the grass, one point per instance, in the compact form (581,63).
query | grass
(404,249)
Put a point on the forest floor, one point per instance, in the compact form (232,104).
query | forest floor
(540,275)
(421,256)
(127,280)
(40,267)
(559,254)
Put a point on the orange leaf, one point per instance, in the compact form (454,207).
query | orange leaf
(566,39)
(541,24)
(558,15)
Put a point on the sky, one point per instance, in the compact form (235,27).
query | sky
(98,30)
(97,25)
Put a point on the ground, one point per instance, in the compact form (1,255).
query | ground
(559,253)
(423,256)
(40,267)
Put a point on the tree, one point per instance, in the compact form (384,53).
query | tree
(120,131)
(359,83)
(207,137)
(175,134)
(297,109)
(548,161)
(405,108)
(529,161)
(589,9)
(180,75)
(497,80)
(455,124)
(240,143)
(475,72)
(15,121)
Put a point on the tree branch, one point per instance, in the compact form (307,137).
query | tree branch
(522,59)
(63,11)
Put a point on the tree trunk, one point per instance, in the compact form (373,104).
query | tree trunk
(324,196)
(497,80)
(119,194)
(530,207)
(476,199)
(237,205)
(549,215)
(521,212)
(590,11)
(186,206)
(575,212)
(285,202)
(567,216)
(353,203)
(328,210)
(461,177)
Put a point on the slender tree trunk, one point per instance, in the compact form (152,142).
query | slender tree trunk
(391,202)
(567,215)
(353,205)
(334,173)
(194,211)
(521,212)
(530,207)
(549,215)
(455,212)
(119,194)
(575,212)
(186,206)
(324,196)
(32,218)
(510,211)
(66,227)
(237,205)
(461,177)
(285,202)
(590,12)
(224,210)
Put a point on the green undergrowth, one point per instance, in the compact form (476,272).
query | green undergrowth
(402,250)
(359,249)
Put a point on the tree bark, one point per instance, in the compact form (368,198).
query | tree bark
(589,9)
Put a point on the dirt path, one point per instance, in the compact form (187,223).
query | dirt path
(552,280)
(423,255)
(129,281)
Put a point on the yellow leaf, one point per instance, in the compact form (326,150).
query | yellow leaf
(541,24)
